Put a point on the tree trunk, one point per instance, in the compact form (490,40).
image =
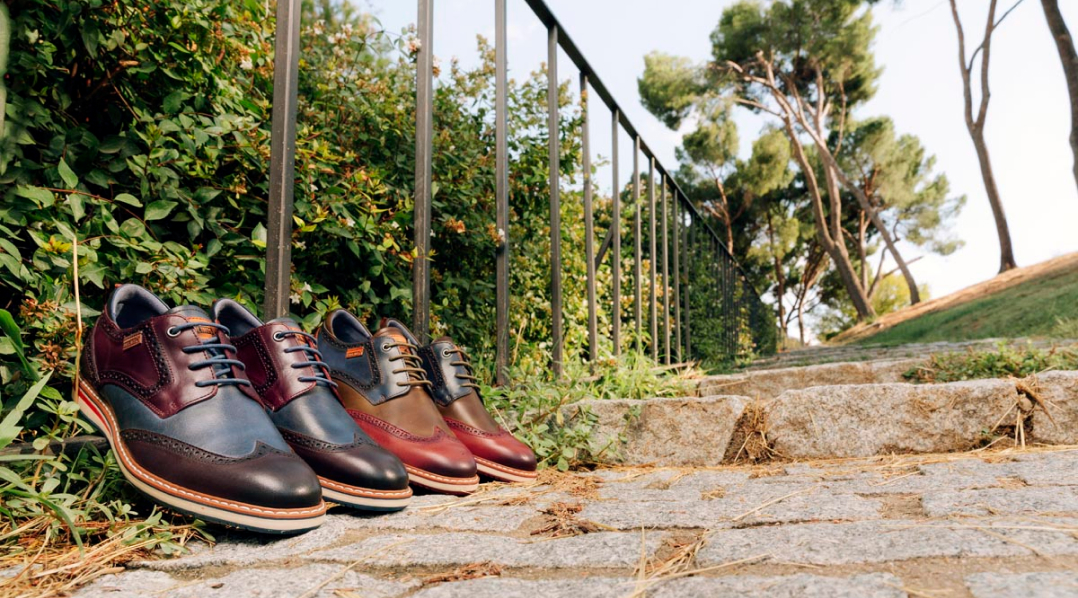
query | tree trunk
(780,278)
(1006,251)
(835,248)
(1069,58)
(975,124)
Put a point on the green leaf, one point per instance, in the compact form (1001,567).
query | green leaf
(43,197)
(159,209)
(78,209)
(128,199)
(9,427)
(68,175)
(258,236)
(112,144)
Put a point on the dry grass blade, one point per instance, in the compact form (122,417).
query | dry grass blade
(311,593)
(642,587)
(773,501)
(465,572)
(562,522)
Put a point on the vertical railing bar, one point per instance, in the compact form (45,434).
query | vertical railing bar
(282,159)
(615,223)
(637,273)
(423,151)
(665,274)
(553,132)
(589,226)
(652,271)
(676,209)
(690,247)
(501,194)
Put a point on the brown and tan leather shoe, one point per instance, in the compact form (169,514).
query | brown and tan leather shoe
(453,386)
(165,389)
(382,385)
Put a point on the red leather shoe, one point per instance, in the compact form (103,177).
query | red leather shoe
(497,453)
(382,385)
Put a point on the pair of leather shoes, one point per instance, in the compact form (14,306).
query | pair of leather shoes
(227,418)
(422,404)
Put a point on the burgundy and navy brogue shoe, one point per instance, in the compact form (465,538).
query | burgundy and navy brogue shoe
(497,453)
(383,387)
(286,370)
(164,387)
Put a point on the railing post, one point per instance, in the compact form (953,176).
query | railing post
(424,117)
(676,208)
(637,273)
(555,197)
(615,224)
(282,159)
(652,271)
(690,247)
(666,277)
(501,195)
(589,225)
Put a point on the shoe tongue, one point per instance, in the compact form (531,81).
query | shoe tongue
(396,335)
(444,339)
(192,313)
(287,321)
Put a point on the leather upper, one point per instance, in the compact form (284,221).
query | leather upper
(388,397)
(181,406)
(302,403)
(446,370)
(459,403)
(148,363)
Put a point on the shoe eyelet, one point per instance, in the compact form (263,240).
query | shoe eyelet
(173,331)
(445,353)
(385,346)
(278,336)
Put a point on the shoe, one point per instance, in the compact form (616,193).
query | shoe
(382,385)
(164,388)
(287,372)
(497,453)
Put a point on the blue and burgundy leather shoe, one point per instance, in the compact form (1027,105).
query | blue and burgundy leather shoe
(164,387)
(497,453)
(293,384)
(382,385)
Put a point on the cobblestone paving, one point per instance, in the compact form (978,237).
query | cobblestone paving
(975,525)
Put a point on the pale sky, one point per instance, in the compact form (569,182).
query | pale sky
(1028,118)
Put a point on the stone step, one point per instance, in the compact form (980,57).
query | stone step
(833,421)
(770,383)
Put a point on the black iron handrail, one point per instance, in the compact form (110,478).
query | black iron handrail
(729,289)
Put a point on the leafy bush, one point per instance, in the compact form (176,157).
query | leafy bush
(1005,361)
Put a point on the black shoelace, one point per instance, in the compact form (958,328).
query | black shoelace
(314,357)
(219,362)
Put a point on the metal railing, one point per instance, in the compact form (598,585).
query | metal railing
(716,310)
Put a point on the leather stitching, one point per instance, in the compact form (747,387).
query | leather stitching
(473,431)
(322,445)
(193,452)
(394,430)
(271,371)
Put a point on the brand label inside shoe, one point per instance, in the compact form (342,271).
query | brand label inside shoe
(203,332)
(132,340)
(354,352)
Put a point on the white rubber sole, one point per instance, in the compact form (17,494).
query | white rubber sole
(442,484)
(233,513)
(503,473)
(366,499)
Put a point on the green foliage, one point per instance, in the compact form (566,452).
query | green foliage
(892,294)
(545,416)
(1006,361)
(1040,306)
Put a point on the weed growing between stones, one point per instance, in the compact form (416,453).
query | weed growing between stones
(1004,362)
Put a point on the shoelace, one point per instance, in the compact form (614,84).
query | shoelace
(463,361)
(413,365)
(314,357)
(219,362)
